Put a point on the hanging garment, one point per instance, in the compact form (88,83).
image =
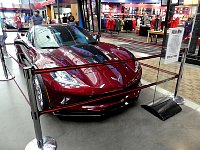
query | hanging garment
(112,25)
(107,24)
(134,24)
(146,20)
(103,23)
(188,27)
(138,22)
(198,41)
(128,24)
(152,23)
(174,22)
(118,25)
(155,24)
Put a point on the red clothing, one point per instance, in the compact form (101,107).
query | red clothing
(17,20)
(174,23)
(134,24)
(110,24)
(152,24)
(186,39)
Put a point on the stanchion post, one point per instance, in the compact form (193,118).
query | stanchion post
(178,99)
(40,143)
(7,76)
(5,53)
(3,64)
(33,104)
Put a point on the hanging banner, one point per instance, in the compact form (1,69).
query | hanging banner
(174,44)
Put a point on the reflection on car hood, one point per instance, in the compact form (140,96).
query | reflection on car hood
(115,76)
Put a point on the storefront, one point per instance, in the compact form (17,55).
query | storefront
(91,14)
(132,9)
(8,10)
(44,6)
(62,8)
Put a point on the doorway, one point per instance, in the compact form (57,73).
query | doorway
(90,10)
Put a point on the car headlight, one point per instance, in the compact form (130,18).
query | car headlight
(137,64)
(62,76)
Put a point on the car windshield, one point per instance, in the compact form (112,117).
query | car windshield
(58,36)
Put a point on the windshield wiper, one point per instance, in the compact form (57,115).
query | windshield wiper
(49,47)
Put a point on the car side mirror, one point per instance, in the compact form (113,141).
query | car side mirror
(96,36)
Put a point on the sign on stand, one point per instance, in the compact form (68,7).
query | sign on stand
(174,44)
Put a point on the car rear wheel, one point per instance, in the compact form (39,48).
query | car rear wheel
(41,93)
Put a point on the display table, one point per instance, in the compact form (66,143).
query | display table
(144,30)
(155,33)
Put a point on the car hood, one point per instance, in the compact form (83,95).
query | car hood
(107,77)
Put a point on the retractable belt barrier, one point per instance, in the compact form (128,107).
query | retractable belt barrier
(4,54)
(30,72)
(48,70)
(138,42)
(47,142)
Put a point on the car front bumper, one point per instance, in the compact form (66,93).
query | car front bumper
(102,107)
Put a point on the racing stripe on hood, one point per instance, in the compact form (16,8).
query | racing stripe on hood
(89,53)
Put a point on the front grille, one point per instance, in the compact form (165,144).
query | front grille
(109,100)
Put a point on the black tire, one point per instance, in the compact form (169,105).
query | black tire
(41,93)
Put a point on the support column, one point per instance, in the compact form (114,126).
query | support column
(195,33)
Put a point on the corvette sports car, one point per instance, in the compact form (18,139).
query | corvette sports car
(65,45)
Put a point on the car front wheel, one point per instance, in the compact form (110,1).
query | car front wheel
(41,93)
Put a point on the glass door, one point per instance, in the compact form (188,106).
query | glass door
(91,14)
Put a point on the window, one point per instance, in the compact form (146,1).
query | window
(44,38)
(58,36)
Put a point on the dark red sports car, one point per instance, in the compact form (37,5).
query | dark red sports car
(65,45)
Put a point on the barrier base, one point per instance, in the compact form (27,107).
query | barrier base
(7,79)
(179,100)
(6,57)
(163,108)
(48,144)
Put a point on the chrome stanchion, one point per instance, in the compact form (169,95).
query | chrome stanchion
(195,31)
(5,53)
(40,142)
(178,99)
(7,76)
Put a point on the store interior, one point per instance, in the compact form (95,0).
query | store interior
(116,34)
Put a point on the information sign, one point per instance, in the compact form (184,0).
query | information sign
(174,44)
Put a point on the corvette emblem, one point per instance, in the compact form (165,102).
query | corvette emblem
(116,79)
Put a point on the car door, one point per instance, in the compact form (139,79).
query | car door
(28,48)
